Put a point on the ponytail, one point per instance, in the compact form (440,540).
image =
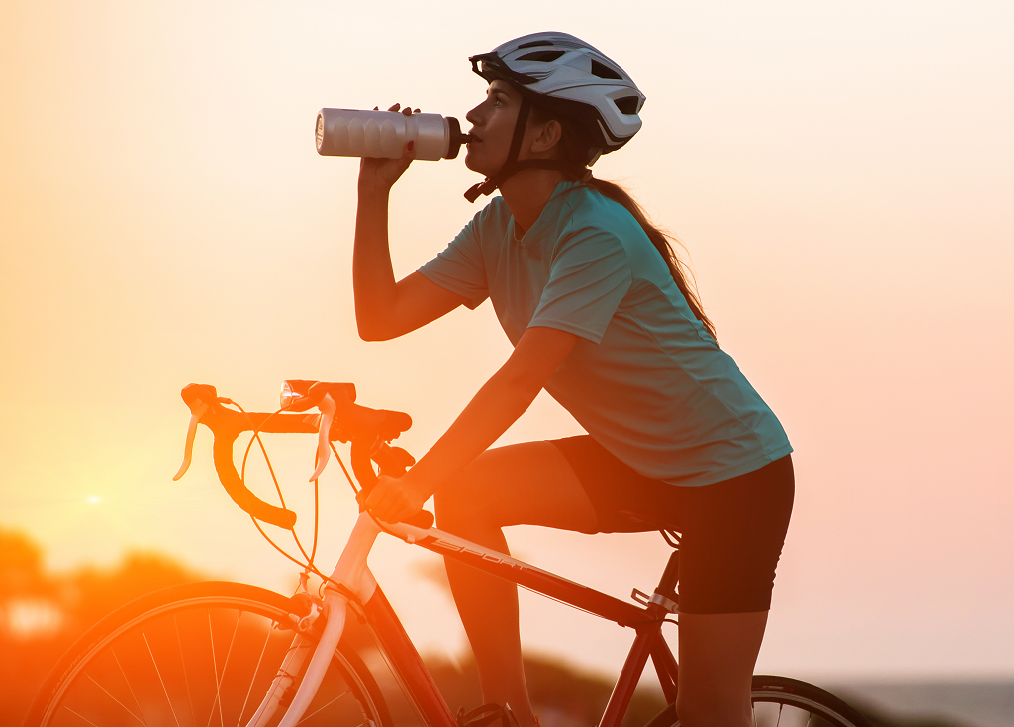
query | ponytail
(681,273)
(575,148)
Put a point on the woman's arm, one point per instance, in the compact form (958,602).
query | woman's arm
(497,405)
(386,308)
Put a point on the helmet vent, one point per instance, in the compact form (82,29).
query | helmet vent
(627,105)
(535,44)
(544,56)
(603,71)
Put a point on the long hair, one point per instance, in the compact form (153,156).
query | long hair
(574,147)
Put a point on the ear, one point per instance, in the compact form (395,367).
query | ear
(546,137)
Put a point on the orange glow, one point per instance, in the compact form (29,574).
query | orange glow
(840,176)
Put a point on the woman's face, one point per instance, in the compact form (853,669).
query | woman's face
(492,128)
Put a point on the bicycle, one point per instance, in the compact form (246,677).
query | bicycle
(229,653)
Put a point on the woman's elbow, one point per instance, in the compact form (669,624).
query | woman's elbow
(370,331)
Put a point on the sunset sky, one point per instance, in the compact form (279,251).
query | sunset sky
(841,173)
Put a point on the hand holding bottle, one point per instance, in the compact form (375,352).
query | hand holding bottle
(378,174)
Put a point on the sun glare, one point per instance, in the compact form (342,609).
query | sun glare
(30,618)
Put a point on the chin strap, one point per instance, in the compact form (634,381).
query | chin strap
(513,166)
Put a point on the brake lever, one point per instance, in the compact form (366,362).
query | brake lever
(327,411)
(188,449)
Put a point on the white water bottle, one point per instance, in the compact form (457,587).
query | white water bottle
(383,134)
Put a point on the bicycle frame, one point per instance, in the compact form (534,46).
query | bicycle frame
(357,589)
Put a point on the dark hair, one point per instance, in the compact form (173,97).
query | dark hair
(575,147)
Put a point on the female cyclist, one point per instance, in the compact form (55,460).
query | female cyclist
(601,316)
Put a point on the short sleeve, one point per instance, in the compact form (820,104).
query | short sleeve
(588,278)
(459,268)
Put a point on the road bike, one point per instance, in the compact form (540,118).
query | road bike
(222,653)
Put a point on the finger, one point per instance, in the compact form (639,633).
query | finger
(376,108)
(407,111)
(417,111)
(395,107)
(376,496)
(380,502)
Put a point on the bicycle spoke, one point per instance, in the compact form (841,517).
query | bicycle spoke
(323,708)
(122,677)
(257,668)
(80,717)
(225,666)
(186,679)
(92,680)
(218,682)
(781,714)
(160,680)
(127,681)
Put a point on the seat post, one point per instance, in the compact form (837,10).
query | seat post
(670,577)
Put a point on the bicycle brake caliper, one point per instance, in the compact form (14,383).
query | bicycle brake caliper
(314,604)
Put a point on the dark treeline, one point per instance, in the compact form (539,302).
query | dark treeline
(42,613)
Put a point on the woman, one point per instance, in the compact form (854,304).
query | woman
(601,316)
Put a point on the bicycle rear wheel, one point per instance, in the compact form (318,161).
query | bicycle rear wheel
(194,656)
(784,702)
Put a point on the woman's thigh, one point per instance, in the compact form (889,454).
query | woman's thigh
(520,484)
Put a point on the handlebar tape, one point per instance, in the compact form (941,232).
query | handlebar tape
(227,425)
(242,496)
(354,422)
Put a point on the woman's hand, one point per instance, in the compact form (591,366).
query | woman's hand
(393,499)
(377,176)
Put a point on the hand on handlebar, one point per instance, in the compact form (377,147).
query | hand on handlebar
(379,175)
(395,499)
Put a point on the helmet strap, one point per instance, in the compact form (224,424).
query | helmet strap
(512,166)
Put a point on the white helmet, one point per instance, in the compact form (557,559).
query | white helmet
(569,74)
(563,75)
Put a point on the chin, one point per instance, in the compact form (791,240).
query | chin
(475,162)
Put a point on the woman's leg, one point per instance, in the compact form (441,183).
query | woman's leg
(732,539)
(523,484)
(717,653)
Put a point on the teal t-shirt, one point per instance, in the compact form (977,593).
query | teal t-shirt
(645,379)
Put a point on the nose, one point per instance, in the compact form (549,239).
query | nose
(474,117)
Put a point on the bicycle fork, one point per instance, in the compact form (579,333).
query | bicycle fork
(351,573)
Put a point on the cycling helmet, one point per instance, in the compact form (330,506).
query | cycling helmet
(567,77)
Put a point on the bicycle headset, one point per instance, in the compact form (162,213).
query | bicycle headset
(565,77)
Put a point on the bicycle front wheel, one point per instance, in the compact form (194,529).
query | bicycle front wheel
(193,656)
(784,702)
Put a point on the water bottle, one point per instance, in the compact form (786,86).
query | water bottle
(383,134)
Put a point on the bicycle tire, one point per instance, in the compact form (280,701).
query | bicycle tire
(196,655)
(784,702)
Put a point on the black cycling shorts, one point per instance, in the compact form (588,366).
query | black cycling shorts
(732,531)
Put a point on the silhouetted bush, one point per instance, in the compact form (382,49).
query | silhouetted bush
(41,614)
